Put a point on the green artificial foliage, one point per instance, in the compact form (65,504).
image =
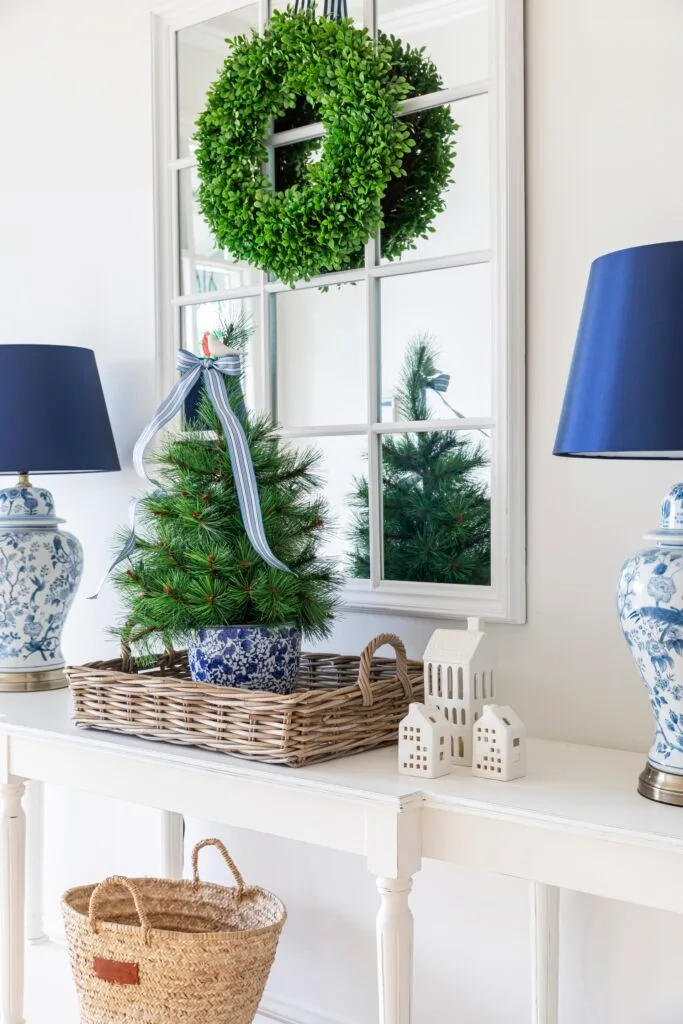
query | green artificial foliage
(436,508)
(193,565)
(412,199)
(312,227)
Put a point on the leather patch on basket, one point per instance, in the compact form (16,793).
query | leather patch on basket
(117,971)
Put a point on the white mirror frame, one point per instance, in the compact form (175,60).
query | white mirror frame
(505,599)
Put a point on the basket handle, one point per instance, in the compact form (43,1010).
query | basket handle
(366,661)
(236,874)
(127,664)
(128,661)
(125,883)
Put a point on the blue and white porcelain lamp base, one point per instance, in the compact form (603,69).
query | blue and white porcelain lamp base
(650,603)
(40,569)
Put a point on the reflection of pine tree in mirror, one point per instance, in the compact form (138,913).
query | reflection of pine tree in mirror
(436,506)
(413,199)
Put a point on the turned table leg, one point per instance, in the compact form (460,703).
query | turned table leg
(172,844)
(395,950)
(12,902)
(545,930)
(35,843)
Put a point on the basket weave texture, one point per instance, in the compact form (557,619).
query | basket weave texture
(342,705)
(158,951)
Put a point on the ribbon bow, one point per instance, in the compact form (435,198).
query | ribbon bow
(439,383)
(210,369)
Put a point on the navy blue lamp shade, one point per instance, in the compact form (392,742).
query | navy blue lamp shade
(53,417)
(624,397)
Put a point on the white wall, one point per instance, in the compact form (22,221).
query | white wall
(605,162)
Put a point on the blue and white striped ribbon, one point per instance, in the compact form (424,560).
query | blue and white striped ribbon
(125,552)
(192,368)
(440,383)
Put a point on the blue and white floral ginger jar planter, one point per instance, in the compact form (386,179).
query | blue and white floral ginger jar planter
(254,657)
(40,569)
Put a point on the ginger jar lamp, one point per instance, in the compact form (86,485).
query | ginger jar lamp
(53,419)
(624,399)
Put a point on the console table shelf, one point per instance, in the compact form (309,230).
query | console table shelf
(574,822)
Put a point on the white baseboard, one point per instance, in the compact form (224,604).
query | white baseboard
(56,937)
(289,1011)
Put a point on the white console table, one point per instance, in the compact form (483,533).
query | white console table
(575,822)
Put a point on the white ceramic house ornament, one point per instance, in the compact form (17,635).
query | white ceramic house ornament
(423,744)
(458,679)
(499,744)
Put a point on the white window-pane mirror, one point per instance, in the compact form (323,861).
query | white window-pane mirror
(329,362)
(449,311)
(321,339)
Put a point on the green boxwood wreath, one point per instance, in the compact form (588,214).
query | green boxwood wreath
(413,199)
(315,226)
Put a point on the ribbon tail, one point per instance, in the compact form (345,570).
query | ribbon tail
(125,552)
(461,415)
(169,408)
(242,468)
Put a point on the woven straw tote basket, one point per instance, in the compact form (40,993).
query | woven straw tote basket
(161,951)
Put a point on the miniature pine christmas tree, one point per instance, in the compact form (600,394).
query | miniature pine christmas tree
(436,508)
(193,565)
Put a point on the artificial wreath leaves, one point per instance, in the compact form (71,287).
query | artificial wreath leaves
(314,226)
(414,198)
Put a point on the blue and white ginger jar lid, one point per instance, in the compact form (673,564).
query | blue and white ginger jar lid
(27,506)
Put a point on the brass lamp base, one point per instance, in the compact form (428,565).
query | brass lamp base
(22,682)
(664,787)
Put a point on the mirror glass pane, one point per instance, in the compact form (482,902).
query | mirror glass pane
(455,35)
(200,52)
(321,363)
(436,508)
(464,225)
(436,344)
(203,267)
(342,469)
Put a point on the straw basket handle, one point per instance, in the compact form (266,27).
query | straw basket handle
(126,883)
(366,662)
(236,874)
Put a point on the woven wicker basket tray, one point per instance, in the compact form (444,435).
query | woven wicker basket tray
(342,705)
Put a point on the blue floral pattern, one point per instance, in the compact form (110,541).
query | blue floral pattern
(40,569)
(22,502)
(650,604)
(255,657)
